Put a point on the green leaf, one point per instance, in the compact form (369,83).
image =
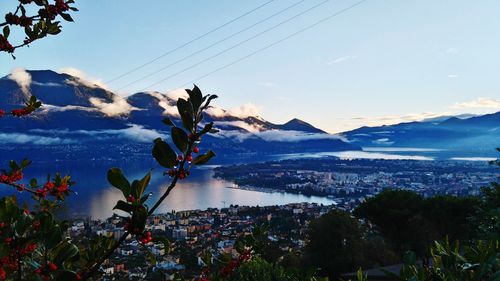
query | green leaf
(6,31)
(123,206)
(143,184)
(139,186)
(208,127)
(25,163)
(118,180)
(196,97)
(54,236)
(204,158)
(186,112)
(164,154)
(66,17)
(145,198)
(13,165)
(168,122)
(210,98)
(65,251)
(33,183)
(180,138)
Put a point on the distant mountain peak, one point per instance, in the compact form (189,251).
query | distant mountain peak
(299,125)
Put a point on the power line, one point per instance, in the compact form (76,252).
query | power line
(210,46)
(187,43)
(276,42)
(234,46)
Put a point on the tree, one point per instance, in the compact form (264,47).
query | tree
(450,216)
(335,244)
(397,213)
(37,25)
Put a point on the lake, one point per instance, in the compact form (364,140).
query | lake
(96,197)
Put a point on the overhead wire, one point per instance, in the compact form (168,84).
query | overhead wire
(236,45)
(276,42)
(187,43)
(210,46)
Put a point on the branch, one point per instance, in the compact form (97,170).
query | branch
(20,187)
(109,252)
(88,273)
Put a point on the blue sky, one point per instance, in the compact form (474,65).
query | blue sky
(380,62)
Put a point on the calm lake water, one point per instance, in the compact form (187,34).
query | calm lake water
(96,197)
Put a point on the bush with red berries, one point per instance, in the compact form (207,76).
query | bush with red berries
(35,245)
(43,21)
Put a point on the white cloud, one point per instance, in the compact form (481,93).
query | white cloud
(453,76)
(165,103)
(276,135)
(33,139)
(138,133)
(133,132)
(176,94)
(452,51)
(54,108)
(242,111)
(245,110)
(489,103)
(253,128)
(23,79)
(341,59)
(118,107)
(83,78)
(216,111)
(461,110)
(48,84)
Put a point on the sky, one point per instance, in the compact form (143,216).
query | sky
(380,62)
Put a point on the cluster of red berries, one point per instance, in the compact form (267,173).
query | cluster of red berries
(15,112)
(234,264)
(133,230)
(12,178)
(53,10)
(145,238)
(44,271)
(20,112)
(50,187)
(5,45)
(181,172)
(23,20)
(11,261)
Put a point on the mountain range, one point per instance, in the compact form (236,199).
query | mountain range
(81,119)
(474,134)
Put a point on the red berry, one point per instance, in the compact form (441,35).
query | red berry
(130,198)
(180,157)
(189,158)
(196,150)
(52,266)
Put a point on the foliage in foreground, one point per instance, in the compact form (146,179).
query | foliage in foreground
(35,244)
